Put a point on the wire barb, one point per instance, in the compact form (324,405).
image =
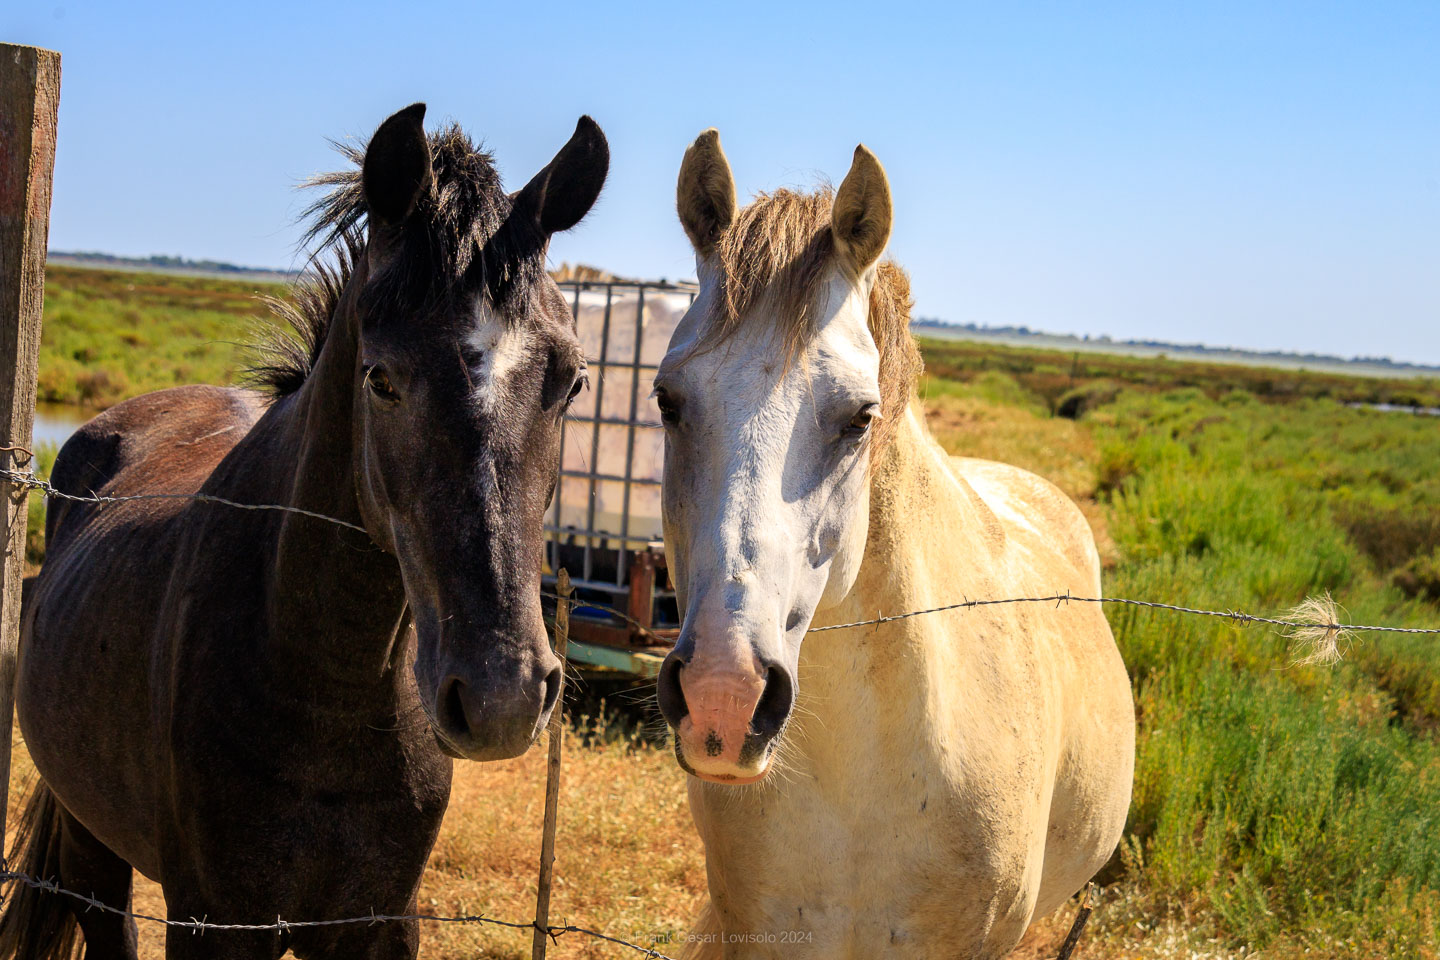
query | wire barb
(202,925)
(32,482)
(1305,620)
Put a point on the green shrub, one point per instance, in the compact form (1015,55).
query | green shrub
(1294,807)
(1421,576)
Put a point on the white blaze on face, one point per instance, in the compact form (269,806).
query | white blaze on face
(765,503)
(496,349)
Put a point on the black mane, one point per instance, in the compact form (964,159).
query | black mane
(454,241)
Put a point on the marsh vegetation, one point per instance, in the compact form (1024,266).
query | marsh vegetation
(1289,809)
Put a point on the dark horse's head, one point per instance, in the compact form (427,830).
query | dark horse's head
(463,364)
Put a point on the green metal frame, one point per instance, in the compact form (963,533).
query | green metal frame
(637,662)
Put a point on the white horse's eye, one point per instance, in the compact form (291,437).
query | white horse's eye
(859,424)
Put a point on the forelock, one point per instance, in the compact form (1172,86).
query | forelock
(779,248)
(457,240)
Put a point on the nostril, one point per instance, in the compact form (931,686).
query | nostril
(775,703)
(551,691)
(452,709)
(667,690)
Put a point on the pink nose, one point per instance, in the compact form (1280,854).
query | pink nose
(713,734)
(726,706)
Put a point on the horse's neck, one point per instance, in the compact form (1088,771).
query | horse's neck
(334,597)
(929,536)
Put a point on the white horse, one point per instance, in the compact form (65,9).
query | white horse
(924,787)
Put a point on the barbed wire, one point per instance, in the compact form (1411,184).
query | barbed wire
(202,926)
(1235,616)
(29,480)
(578,603)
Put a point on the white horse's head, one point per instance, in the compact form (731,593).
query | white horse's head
(774,393)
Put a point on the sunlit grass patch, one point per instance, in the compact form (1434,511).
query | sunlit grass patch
(108,335)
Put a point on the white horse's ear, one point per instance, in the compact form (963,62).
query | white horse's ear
(705,192)
(862,214)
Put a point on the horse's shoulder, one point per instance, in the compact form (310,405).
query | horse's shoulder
(1021,497)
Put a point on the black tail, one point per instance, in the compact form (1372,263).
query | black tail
(36,924)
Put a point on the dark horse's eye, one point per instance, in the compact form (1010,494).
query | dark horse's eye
(581,382)
(669,409)
(380,385)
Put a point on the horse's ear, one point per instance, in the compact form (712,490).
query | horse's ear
(397,167)
(705,192)
(861,217)
(560,195)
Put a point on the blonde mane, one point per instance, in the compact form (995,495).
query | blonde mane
(780,245)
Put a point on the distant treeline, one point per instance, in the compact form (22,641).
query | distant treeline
(165,262)
(1057,340)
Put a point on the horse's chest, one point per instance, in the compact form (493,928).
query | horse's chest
(269,782)
(309,824)
(920,867)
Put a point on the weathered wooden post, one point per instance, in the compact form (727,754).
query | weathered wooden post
(29,104)
(552,772)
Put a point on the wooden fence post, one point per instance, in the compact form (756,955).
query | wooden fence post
(29,104)
(552,772)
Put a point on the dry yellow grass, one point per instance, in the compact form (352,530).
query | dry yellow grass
(628,863)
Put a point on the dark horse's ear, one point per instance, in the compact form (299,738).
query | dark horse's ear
(397,167)
(561,194)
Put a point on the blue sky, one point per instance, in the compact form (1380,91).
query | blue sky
(1260,175)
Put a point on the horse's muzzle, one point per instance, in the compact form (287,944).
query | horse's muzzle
(727,713)
(498,714)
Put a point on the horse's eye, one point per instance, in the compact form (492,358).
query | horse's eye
(379,384)
(669,409)
(581,382)
(860,424)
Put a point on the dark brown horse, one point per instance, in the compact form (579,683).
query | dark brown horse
(225,699)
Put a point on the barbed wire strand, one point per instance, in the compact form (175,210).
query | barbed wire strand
(203,926)
(1235,616)
(32,482)
(577,604)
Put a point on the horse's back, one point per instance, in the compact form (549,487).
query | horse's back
(163,442)
(84,690)
(1027,503)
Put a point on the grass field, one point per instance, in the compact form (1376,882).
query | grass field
(1289,809)
(108,334)
(1279,810)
